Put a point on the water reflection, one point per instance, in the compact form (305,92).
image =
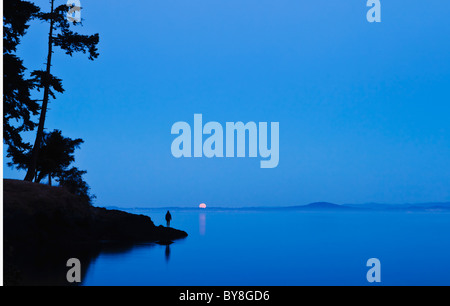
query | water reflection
(299,249)
(110,248)
(121,249)
(202,223)
(50,270)
(167,253)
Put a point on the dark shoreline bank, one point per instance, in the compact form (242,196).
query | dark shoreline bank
(45,226)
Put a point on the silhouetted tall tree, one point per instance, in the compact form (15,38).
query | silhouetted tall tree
(18,107)
(61,36)
(56,154)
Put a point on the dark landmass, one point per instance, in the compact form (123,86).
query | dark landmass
(320,206)
(45,226)
(374,207)
(432,206)
(317,206)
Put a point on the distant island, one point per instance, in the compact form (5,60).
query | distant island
(444,206)
(316,206)
(44,224)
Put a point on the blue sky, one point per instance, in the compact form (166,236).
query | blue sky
(363,108)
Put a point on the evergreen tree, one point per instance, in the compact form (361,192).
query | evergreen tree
(18,107)
(73,181)
(56,154)
(60,35)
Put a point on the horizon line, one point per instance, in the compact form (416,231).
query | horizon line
(348,205)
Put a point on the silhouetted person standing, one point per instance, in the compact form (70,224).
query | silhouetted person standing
(168,218)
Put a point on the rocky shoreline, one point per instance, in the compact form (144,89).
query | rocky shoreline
(44,226)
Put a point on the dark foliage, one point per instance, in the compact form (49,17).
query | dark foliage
(18,107)
(60,35)
(55,157)
(72,180)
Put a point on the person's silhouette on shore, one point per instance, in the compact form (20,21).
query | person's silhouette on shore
(168,218)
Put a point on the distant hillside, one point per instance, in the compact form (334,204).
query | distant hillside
(319,206)
(442,206)
(316,206)
(324,205)
(432,206)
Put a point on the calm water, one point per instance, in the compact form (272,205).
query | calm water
(284,248)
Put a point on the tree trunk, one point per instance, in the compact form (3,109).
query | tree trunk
(49,179)
(40,132)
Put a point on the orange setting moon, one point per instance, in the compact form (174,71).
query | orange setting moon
(203,205)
